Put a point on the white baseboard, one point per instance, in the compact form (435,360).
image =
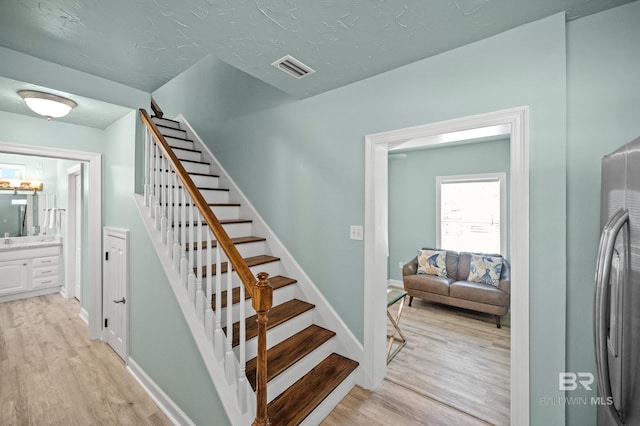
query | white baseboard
(84,315)
(395,283)
(168,407)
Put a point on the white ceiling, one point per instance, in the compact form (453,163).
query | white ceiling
(145,43)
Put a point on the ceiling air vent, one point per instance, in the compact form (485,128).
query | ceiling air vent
(293,67)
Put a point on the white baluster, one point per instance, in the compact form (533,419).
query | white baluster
(156,188)
(199,290)
(163,200)
(218,337)
(170,202)
(176,220)
(184,262)
(191,278)
(242,375)
(229,355)
(147,164)
(208,314)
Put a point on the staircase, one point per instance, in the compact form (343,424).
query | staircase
(308,367)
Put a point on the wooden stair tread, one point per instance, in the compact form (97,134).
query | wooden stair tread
(222,222)
(235,241)
(277,315)
(250,261)
(276,282)
(286,353)
(292,406)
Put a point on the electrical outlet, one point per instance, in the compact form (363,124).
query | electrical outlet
(355,232)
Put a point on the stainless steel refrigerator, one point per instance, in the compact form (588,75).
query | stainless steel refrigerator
(616,309)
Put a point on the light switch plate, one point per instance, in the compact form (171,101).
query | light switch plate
(356,232)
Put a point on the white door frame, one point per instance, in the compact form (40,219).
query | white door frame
(73,173)
(94,221)
(514,123)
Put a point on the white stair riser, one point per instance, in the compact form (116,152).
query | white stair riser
(215,196)
(271,268)
(201,181)
(187,155)
(280,296)
(235,230)
(205,181)
(175,133)
(245,250)
(195,167)
(283,381)
(226,212)
(179,143)
(279,333)
(166,123)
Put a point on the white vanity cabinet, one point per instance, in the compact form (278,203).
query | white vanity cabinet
(29,271)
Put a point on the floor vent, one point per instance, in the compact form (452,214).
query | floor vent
(293,67)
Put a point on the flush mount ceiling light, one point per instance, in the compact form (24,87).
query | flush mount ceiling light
(46,104)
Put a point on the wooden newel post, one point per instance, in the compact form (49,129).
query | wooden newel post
(262,301)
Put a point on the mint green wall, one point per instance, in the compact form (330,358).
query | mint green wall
(604,113)
(412,192)
(302,166)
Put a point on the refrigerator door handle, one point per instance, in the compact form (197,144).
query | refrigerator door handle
(601,302)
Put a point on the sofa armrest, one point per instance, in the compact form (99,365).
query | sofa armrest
(410,268)
(505,286)
(505,277)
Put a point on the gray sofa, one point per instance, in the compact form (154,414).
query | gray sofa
(455,290)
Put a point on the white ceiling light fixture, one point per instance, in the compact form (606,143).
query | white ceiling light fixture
(47,104)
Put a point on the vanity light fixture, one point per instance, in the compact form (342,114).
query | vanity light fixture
(16,185)
(47,104)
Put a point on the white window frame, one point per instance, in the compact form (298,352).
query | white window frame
(501,178)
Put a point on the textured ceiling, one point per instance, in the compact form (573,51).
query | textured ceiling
(145,43)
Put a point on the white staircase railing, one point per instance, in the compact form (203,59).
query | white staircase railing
(192,235)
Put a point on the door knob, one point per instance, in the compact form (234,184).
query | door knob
(120,301)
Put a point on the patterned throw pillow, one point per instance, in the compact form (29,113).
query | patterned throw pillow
(432,262)
(485,269)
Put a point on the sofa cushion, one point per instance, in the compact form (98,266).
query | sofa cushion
(428,283)
(432,262)
(478,292)
(485,269)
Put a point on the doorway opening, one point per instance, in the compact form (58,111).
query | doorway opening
(73,251)
(514,124)
(93,296)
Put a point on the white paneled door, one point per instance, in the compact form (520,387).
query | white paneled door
(116,289)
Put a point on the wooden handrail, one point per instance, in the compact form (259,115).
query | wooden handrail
(260,290)
(156,109)
(209,217)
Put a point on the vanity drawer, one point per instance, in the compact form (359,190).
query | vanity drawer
(42,282)
(45,271)
(45,261)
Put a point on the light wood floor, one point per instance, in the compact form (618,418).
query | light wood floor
(50,374)
(454,370)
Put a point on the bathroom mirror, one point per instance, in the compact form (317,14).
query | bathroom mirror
(18,214)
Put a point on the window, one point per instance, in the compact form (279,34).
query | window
(471,213)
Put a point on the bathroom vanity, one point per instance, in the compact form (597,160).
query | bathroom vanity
(30,266)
